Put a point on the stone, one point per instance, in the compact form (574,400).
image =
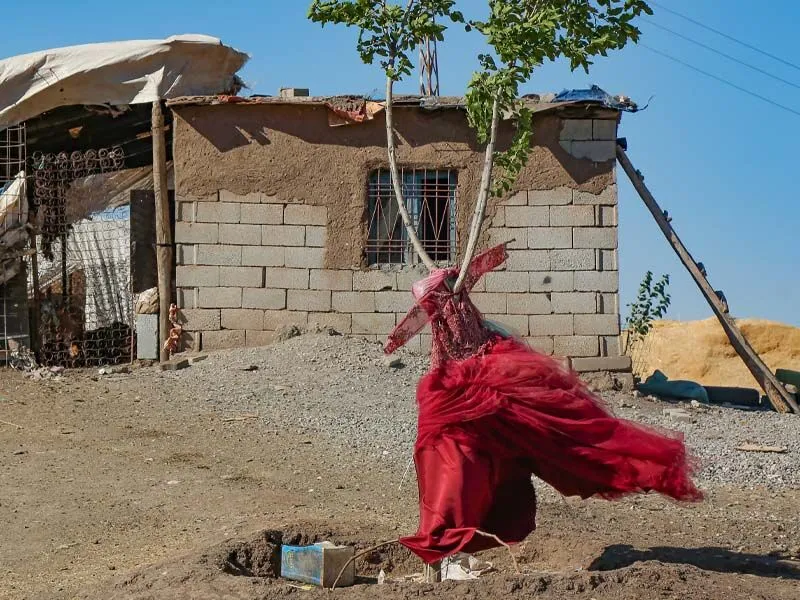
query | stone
(605,363)
(147,344)
(241,277)
(215,254)
(174,365)
(338,280)
(596,151)
(147,302)
(604,129)
(680,415)
(217,212)
(240,235)
(505,281)
(572,259)
(262,214)
(572,216)
(576,129)
(196,276)
(196,233)
(527,216)
(393,362)
(547,238)
(595,237)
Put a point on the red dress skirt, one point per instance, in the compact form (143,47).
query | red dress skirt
(493,412)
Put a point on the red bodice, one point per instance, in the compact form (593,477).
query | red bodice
(456,324)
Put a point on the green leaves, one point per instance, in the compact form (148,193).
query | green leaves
(387,30)
(522,35)
(651,304)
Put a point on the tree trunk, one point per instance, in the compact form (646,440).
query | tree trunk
(163,234)
(483,196)
(396,183)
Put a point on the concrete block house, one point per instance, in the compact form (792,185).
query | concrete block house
(285,216)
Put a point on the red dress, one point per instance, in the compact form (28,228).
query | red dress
(493,412)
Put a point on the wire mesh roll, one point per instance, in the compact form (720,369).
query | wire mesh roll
(90,161)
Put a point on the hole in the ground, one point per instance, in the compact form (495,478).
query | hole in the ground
(260,556)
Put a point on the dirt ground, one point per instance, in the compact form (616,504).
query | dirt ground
(115,490)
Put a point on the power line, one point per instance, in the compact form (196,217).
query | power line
(721,80)
(723,54)
(725,35)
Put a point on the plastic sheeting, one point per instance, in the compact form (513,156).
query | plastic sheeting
(659,384)
(115,73)
(13,204)
(98,247)
(13,232)
(598,95)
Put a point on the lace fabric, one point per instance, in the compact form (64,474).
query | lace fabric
(457,325)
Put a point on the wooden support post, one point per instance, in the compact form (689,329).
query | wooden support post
(37,296)
(433,572)
(164,254)
(780,399)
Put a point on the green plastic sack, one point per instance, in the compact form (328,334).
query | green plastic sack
(659,384)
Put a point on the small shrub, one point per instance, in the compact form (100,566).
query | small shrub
(651,303)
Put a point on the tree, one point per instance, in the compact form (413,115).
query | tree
(521,35)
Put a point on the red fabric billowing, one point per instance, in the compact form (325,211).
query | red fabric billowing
(489,421)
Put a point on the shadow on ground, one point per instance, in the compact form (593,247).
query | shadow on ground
(719,560)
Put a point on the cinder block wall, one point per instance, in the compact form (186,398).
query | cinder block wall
(249,264)
(560,286)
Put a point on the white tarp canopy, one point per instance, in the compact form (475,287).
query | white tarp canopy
(115,73)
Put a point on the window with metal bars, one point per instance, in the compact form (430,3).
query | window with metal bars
(430,196)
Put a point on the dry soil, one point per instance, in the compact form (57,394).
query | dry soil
(134,486)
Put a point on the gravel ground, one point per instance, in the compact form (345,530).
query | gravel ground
(343,388)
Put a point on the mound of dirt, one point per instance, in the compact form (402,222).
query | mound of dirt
(249,570)
(700,351)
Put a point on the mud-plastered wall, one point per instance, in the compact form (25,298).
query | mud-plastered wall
(271,226)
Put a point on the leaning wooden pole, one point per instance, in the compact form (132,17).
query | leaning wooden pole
(163,233)
(780,399)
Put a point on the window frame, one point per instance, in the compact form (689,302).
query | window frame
(380,192)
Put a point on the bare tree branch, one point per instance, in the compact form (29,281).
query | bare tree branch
(398,190)
(483,196)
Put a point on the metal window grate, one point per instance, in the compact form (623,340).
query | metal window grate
(430,195)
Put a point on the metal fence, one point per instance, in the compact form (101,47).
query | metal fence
(14,241)
(79,287)
(85,305)
(65,254)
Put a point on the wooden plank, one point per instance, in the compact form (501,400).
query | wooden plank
(758,448)
(35,334)
(780,399)
(164,254)
(433,572)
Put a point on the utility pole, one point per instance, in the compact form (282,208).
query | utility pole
(428,68)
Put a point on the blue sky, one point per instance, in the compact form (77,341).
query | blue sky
(721,162)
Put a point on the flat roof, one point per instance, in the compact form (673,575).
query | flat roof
(593,98)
